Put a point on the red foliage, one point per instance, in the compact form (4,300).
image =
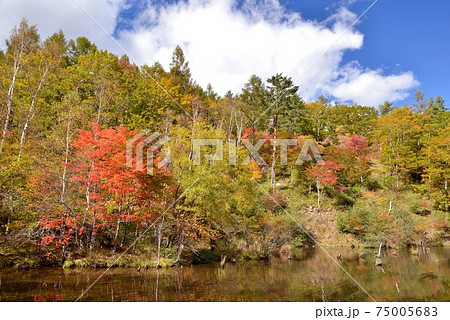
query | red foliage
(61,230)
(326,173)
(54,296)
(356,143)
(40,298)
(115,191)
(102,170)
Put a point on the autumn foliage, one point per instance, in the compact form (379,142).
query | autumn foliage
(67,188)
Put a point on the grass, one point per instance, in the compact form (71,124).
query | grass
(132,261)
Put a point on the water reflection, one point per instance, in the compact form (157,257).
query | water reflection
(309,276)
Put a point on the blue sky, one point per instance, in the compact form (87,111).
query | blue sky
(400,35)
(414,34)
(396,48)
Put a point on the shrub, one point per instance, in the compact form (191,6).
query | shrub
(414,202)
(295,176)
(344,200)
(205,256)
(170,253)
(274,206)
(299,241)
(373,185)
(433,228)
(356,220)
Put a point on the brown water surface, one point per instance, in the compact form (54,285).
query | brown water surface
(311,276)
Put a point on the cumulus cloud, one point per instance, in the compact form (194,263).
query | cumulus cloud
(52,15)
(369,87)
(225,45)
(226,42)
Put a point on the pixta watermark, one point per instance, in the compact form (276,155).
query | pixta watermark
(148,144)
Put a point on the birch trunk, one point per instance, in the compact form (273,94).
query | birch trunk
(160,226)
(274,153)
(318,193)
(31,112)
(9,98)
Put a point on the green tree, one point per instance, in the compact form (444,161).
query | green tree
(57,44)
(421,103)
(437,112)
(80,47)
(221,195)
(179,70)
(97,75)
(283,105)
(386,108)
(252,98)
(348,120)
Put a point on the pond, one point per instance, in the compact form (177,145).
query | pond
(310,276)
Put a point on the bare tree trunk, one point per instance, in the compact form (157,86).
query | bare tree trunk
(88,201)
(18,47)
(239,128)
(31,112)
(63,182)
(160,226)
(10,97)
(116,235)
(318,193)
(89,242)
(66,159)
(181,247)
(99,111)
(378,261)
(124,238)
(92,240)
(223,260)
(7,226)
(274,154)
(136,234)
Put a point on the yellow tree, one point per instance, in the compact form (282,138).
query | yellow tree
(219,193)
(399,136)
(437,171)
(24,40)
(153,100)
(315,111)
(96,76)
(41,67)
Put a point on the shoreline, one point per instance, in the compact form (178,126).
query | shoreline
(141,261)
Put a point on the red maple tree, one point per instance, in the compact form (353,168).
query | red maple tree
(325,174)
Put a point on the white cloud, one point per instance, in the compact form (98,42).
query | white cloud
(369,87)
(225,45)
(52,15)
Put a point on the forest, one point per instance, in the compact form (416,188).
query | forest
(68,197)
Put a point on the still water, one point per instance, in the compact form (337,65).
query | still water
(310,276)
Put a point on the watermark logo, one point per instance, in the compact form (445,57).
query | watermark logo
(308,152)
(142,141)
